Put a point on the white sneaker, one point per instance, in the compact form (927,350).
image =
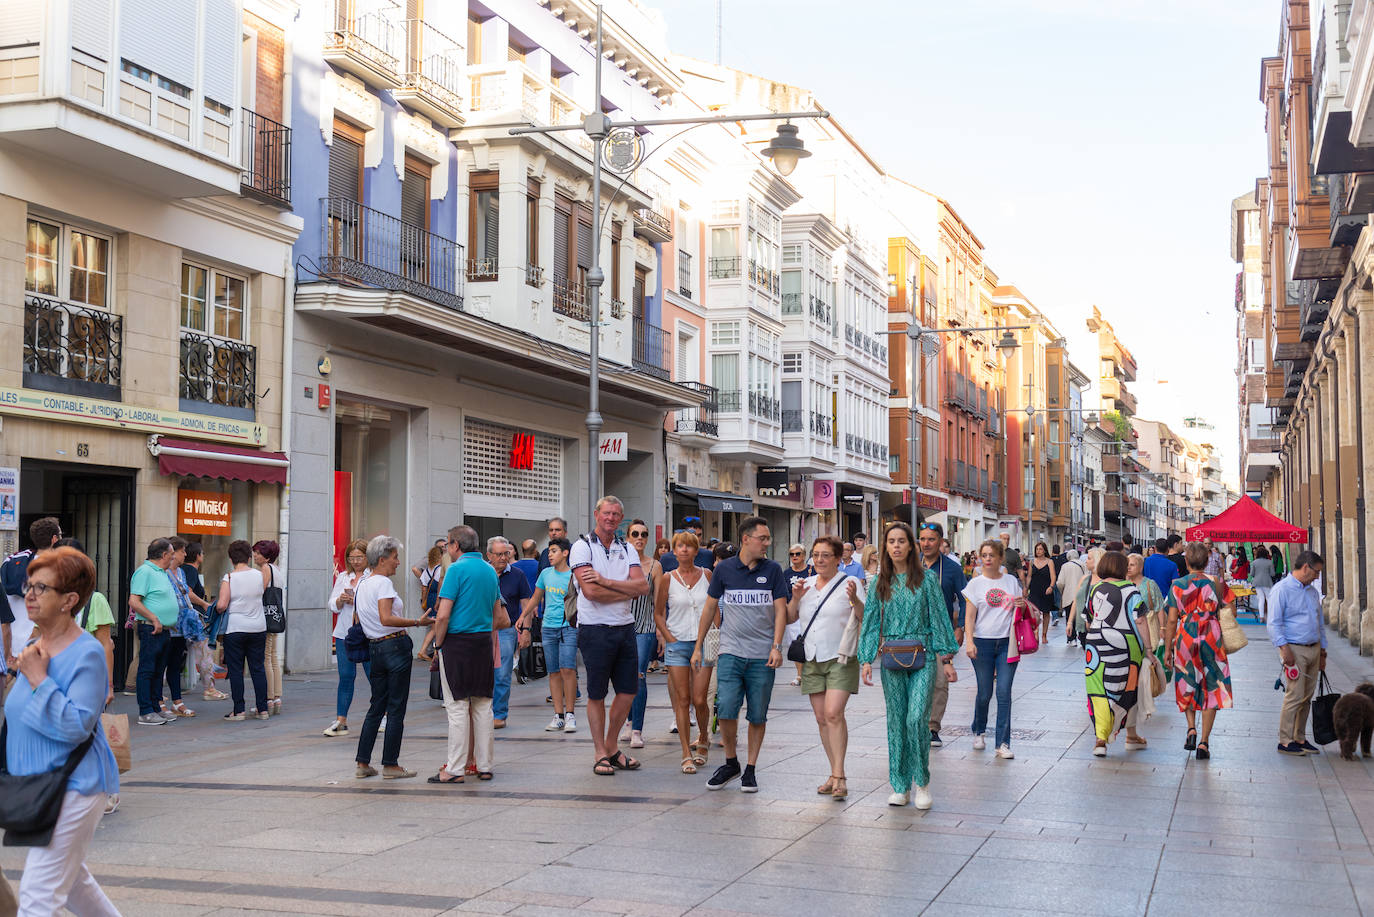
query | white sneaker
(1099,751)
(570,723)
(1004,751)
(897,799)
(636,739)
(625,733)
(923,798)
(978,743)
(336,729)
(111,803)
(555,725)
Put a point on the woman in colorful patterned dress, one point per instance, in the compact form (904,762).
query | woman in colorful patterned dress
(1202,677)
(1113,649)
(904,604)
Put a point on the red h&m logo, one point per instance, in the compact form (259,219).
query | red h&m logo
(522,451)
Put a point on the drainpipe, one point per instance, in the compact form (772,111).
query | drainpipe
(288,341)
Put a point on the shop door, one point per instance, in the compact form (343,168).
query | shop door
(101,514)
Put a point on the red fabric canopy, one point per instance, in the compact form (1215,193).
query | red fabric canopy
(1246,520)
(212,460)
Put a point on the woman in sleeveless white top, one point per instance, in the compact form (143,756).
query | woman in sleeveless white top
(681,599)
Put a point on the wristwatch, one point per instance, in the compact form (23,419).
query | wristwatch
(777,646)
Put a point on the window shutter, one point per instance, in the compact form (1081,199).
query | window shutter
(584,245)
(491,227)
(345,157)
(561,263)
(415,199)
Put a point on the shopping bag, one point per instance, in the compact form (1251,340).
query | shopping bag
(116,726)
(1323,706)
(436,690)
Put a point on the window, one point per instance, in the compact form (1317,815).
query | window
(532,223)
(86,278)
(684,273)
(640,294)
(725,210)
(415,248)
(725,377)
(484,224)
(724,333)
(346,162)
(792,254)
(212,302)
(792,362)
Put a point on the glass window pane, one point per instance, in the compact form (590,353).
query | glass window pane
(193,297)
(229,307)
(89,266)
(40,258)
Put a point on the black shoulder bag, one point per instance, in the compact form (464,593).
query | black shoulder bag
(274,605)
(30,805)
(796,650)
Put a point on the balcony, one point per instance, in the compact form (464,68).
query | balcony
(367,46)
(765,407)
(697,426)
(507,88)
(1126,402)
(792,304)
(570,299)
(794,421)
(617,308)
(72,349)
(725,268)
(730,401)
(218,372)
(654,225)
(820,311)
(993,428)
(820,425)
(480,270)
(652,350)
(266,159)
(1123,506)
(534,275)
(433,78)
(379,250)
(962,392)
(763,278)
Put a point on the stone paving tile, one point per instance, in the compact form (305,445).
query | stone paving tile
(1185,904)
(751,898)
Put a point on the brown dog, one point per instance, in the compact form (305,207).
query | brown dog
(1354,719)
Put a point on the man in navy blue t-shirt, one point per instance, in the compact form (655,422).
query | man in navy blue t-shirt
(750,593)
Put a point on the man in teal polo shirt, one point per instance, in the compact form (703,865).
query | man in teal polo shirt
(470,608)
(155,609)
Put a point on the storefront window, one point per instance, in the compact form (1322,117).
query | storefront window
(370,458)
(240,526)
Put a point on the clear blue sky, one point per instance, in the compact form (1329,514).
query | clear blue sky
(1093,146)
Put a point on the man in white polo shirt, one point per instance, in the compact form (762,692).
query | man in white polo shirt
(608,579)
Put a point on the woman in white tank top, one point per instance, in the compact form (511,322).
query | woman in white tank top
(680,599)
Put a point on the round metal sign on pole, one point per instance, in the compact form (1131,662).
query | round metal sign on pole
(624,148)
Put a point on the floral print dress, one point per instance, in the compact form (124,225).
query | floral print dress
(1202,677)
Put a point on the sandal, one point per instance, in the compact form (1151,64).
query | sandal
(841,789)
(215,694)
(689,765)
(699,759)
(603,768)
(470,769)
(1203,752)
(451,778)
(484,775)
(825,789)
(1190,743)
(623,762)
(180,709)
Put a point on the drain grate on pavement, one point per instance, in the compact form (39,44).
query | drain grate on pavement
(1024,735)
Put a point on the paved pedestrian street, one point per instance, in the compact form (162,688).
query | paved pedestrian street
(266,817)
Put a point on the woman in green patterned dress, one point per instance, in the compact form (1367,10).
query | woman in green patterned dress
(904,604)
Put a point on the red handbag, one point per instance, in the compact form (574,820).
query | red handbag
(1024,629)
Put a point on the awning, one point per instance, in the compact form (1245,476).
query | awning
(211,460)
(717,500)
(1247,521)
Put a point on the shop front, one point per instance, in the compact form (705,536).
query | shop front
(719,512)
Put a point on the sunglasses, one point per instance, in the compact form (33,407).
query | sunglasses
(639,534)
(794,553)
(929,527)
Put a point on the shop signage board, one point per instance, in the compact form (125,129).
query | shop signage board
(203,512)
(615,447)
(931,502)
(772,482)
(9,499)
(823,494)
(94,411)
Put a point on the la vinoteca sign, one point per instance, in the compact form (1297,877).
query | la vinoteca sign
(201,512)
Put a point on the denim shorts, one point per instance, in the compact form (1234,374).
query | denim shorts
(679,652)
(611,658)
(739,680)
(560,648)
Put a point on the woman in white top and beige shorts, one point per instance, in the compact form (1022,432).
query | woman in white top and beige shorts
(680,596)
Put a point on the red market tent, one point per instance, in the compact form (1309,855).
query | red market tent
(1246,520)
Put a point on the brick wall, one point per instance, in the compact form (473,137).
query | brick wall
(271,46)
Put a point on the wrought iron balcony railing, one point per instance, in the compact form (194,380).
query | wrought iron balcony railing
(72,348)
(703,419)
(725,268)
(658,221)
(372,37)
(481,270)
(793,421)
(380,250)
(765,406)
(534,275)
(792,304)
(820,311)
(570,299)
(433,65)
(820,424)
(730,401)
(266,159)
(763,278)
(218,371)
(651,348)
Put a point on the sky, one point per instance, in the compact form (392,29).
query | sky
(1094,146)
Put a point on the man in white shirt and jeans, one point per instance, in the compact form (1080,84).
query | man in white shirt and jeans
(608,579)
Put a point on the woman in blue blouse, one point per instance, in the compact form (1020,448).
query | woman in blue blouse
(53,707)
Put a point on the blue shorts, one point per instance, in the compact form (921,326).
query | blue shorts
(610,654)
(739,680)
(679,652)
(560,648)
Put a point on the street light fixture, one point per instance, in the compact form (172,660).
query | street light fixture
(785,149)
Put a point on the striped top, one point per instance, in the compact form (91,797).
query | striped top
(643,606)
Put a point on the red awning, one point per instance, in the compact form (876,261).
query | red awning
(212,460)
(1246,520)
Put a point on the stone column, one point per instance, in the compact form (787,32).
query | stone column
(1347,446)
(1361,334)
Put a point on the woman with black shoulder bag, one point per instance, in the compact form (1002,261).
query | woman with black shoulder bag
(906,627)
(824,605)
(58,770)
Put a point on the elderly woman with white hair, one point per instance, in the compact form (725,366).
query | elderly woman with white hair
(1071,574)
(379,608)
(1076,628)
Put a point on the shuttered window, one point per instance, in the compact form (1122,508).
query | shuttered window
(639,293)
(484,224)
(346,164)
(562,217)
(415,194)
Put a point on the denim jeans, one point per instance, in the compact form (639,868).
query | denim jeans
(991,665)
(152,666)
(176,661)
(239,647)
(648,646)
(390,679)
(500,695)
(348,674)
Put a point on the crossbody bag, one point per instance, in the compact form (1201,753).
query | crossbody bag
(31,804)
(899,655)
(796,650)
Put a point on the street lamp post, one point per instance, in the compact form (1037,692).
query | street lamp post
(914,332)
(785,149)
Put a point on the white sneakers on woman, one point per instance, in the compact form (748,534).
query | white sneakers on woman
(978,743)
(1004,751)
(897,799)
(923,797)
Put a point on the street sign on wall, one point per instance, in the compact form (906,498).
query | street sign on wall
(615,447)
